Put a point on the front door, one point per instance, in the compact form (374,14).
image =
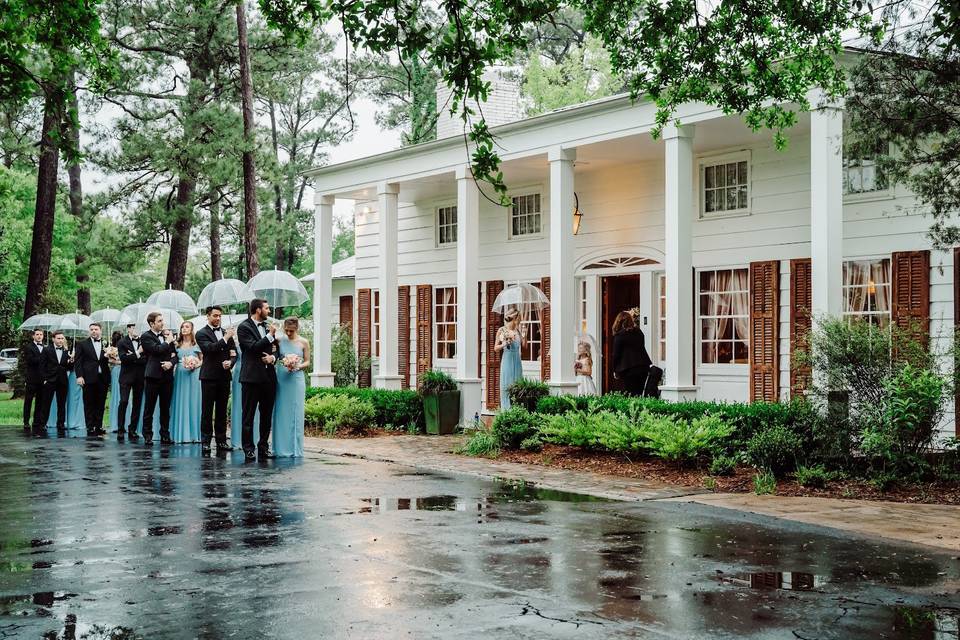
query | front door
(619,293)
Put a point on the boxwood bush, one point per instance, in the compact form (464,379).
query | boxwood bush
(392,409)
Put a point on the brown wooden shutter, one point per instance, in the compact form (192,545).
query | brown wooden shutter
(956,336)
(403,334)
(346,312)
(764,334)
(801,323)
(910,295)
(364,310)
(479,329)
(424,329)
(545,333)
(494,287)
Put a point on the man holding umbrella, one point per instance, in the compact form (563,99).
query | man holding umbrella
(258,376)
(133,362)
(158,376)
(219,356)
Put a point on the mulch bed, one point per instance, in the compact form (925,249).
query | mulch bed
(313,432)
(574,458)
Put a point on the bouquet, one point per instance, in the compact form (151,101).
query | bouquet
(291,361)
(112,355)
(190,363)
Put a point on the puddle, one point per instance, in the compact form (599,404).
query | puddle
(19,604)
(777,580)
(164,530)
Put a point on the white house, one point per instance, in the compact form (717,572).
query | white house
(727,245)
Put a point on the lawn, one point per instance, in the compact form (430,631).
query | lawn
(11,411)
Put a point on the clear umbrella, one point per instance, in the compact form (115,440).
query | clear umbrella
(279,288)
(171,318)
(227,320)
(131,312)
(523,297)
(109,319)
(74,325)
(173,299)
(582,337)
(45,321)
(225,292)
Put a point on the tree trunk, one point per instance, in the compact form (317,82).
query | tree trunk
(180,238)
(216,265)
(249,171)
(43,217)
(84,223)
(279,252)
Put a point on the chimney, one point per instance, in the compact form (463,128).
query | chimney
(502,105)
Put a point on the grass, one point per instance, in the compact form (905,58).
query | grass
(11,411)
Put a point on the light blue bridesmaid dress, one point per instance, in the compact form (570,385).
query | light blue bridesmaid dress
(511,370)
(236,408)
(115,397)
(75,417)
(185,405)
(288,408)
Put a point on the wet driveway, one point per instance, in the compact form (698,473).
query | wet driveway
(100,540)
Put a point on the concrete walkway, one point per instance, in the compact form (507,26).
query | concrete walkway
(924,524)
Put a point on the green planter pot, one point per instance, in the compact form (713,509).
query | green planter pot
(441,412)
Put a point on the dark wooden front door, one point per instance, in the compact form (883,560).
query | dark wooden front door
(620,293)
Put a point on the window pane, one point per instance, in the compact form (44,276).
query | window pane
(708,329)
(742,197)
(709,204)
(731,199)
(742,171)
(731,174)
(741,352)
(724,352)
(706,281)
(709,352)
(708,177)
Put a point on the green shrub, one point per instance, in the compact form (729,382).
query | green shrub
(356,417)
(533,443)
(774,449)
(617,432)
(526,393)
(482,443)
(816,476)
(723,465)
(554,405)
(321,411)
(675,439)
(394,409)
(435,381)
(343,357)
(513,426)
(575,428)
(764,483)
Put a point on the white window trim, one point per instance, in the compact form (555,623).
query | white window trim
(716,367)
(887,193)
(544,212)
(843,292)
(723,158)
(436,206)
(445,362)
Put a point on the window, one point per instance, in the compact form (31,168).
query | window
(861,174)
(662,321)
(726,187)
(531,330)
(724,316)
(375,326)
(525,215)
(866,290)
(582,304)
(447,225)
(445,322)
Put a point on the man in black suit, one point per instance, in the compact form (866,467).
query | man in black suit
(158,376)
(133,361)
(57,363)
(93,374)
(32,354)
(219,356)
(258,377)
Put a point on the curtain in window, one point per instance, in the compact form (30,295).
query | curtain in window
(880,275)
(741,307)
(856,277)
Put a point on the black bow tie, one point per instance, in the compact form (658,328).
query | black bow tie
(92,340)
(39,344)
(262,324)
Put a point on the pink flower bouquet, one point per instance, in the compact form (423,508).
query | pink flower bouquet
(291,361)
(190,363)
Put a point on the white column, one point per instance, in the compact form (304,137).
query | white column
(322,376)
(826,206)
(563,312)
(468,255)
(678,247)
(648,305)
(388,376)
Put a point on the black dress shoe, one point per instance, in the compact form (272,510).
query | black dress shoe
(120,436)
(166,441)
(39,433)
(148,442)
(223,446)
(205,450)
(99,432)
(265,454)
(61,432)
(133,436)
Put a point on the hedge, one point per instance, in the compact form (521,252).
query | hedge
(393,409)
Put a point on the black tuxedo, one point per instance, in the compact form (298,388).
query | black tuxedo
(33,381)
(54,385)
(258,381)
(215,384)
(158,384)
(132,366)
(95,372)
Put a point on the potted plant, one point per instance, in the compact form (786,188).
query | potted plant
(526,393)
(441,402)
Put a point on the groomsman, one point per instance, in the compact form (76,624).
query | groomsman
(219,355)
(33,370)
(133,361)
(57,363)
(258,377)
(158,376)
(93,375)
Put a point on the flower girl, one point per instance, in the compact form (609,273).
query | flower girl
(584,370)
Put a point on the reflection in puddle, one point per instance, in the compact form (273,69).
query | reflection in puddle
(782,580)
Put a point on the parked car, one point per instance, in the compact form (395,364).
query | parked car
(8,362)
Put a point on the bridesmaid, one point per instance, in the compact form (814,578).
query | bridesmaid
(291,392)
(185,405)
(75,415)
(115,386)
(236,403)
(508,344)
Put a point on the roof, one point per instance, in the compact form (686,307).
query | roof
(343,270)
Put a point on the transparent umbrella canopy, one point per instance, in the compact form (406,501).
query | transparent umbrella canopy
(45,321)
(109,319)
(224,293)
(74,325)
(173,299)
(585,338)
(171,317)
(279,288)
(523,297)
(131,312)
(227,320)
